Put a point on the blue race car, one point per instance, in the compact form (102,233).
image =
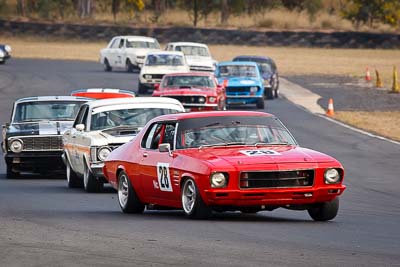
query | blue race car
(243,83)
(269,72)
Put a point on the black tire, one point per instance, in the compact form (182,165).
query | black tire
(142,89)
(10,173)
(90,183)
(107,66)
(276,89)
(2,62)
(127,197)
(260,103)
(73,180)
(324,211)
(190,194)
(269,93)
(129,66)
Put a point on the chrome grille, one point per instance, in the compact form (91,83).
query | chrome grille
(230,89)
(42,143)
(192,99)
(276,179)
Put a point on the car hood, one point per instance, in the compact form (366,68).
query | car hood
(198,60)
(185,91)
(239,81)
(39,128)
(163,69)
(140,51)
(250,155)
(119,135)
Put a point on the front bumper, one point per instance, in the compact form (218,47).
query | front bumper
(97,169)
(242,100)
(272,197)
(37,162)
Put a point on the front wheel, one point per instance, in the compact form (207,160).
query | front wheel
(260,103)
(107,66)
(192,203)
(90,183)
(73,181)
(269,94)
(127,198)
(10,173)
(324,211)
(142,88)
(129,66)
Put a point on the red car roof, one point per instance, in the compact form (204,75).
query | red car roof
(204,114)
(198,73)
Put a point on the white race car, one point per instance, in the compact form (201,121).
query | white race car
(127,52)
(5,53)
(197,55)
(156,65)
(100,127)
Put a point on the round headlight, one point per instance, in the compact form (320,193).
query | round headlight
(103,153)
(202,99)
(218,180)
(212,99)
(16,146)
(332,176)
(253,89)
(147,76)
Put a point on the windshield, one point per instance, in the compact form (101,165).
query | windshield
(190,50)
(237,71)
(142,44)
(188,81)
(229,130)
(135,117)
(163,59)
(46,110)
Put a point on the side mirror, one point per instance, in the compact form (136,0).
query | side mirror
(156,86)
(80,127)
(164,147)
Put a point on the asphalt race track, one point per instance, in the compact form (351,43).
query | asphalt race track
(43,223)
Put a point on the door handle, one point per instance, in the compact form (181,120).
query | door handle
(145,154)
(73,136)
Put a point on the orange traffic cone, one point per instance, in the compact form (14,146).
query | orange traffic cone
(367,75)
(330,111)
(225,83)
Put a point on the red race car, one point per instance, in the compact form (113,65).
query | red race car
(103,93)
(224,160)
(197,91)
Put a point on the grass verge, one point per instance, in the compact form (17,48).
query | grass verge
(383,123)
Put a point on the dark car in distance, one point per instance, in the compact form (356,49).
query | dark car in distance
(269,72)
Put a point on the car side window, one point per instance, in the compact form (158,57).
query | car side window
(115,43)
(121,43)
(79,116)
(152,136)
(169,134)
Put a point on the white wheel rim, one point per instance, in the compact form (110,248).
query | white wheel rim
(188,196)
(123,192)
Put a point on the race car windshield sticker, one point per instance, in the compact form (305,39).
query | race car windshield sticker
(260,152)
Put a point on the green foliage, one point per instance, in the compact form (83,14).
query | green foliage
(371,11)
(311,6)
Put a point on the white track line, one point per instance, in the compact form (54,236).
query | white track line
(291,91)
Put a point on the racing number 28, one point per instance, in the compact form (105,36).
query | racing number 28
(164,179)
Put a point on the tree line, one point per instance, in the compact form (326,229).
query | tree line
(360,12)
